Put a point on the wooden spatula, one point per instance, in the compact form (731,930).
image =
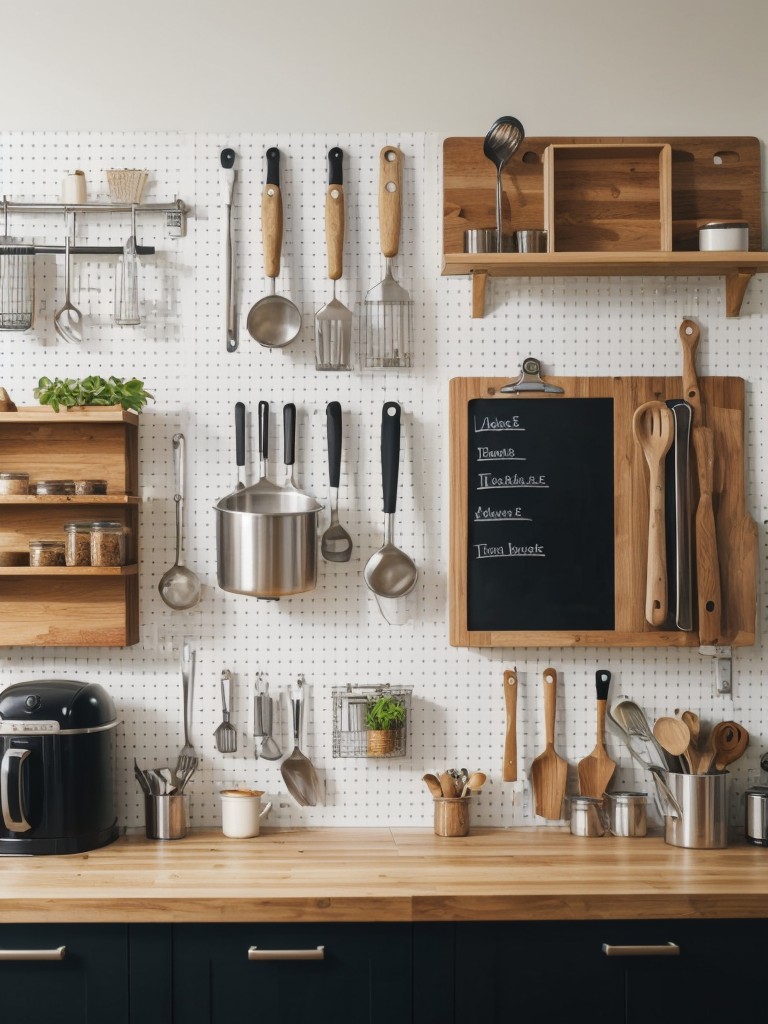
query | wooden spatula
(548,771)
(596,769)
(509,772)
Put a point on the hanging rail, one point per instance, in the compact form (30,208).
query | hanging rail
(14,206)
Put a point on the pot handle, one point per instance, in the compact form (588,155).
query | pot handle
(239,434)
(289,433)
(263,431)
(333,421)
(390,454)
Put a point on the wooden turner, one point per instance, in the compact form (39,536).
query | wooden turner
(548,771)
(596,769)
(509,772)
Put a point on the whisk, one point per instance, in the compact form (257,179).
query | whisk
(226,734)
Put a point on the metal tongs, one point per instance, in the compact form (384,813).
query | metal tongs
(631,722)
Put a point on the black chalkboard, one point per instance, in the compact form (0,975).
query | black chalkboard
(541,532)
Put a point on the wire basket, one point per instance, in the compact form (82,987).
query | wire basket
(17,286)
(350,736)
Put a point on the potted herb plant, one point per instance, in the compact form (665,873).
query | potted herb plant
(384,718)
(93,390)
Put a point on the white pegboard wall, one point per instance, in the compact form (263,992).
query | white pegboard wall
(336,635)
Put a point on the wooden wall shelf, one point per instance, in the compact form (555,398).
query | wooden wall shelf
(83,606)
(712,178)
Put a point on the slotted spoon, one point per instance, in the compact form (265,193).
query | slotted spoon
(226,734)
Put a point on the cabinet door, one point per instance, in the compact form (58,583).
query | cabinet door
(240,972)
(543,971)
(71,974)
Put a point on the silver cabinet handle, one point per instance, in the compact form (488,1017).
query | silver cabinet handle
(17,756)
(254,953)
(33,954)
(665,949)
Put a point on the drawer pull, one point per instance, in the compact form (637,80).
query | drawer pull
(666,949)
(254,953)
(33,954)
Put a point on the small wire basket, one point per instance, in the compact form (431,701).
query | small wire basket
(350,736)
(126,185)
(17,286)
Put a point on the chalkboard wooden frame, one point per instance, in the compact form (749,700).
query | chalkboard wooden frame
(723,408)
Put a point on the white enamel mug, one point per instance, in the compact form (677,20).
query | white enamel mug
(241,812)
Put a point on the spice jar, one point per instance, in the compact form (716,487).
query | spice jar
(107,544)
(46,552)
(54,487)
(90,486)
(77,545)
(14,483)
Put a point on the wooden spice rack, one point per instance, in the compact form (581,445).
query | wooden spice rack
(712,178)
(79,606)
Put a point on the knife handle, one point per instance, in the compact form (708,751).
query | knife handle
(707,564)
(509,773)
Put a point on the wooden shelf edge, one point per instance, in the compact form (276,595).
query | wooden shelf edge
(68,570)
(69,499)
(83,414)
(586,638)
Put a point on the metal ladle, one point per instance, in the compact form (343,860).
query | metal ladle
(503,138)
(389,572)
(68,321)
(273,321)
(179,587)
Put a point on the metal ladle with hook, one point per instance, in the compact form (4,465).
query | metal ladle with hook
(68,320)
(179,587)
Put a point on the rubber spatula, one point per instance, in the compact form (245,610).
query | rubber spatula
(596,769)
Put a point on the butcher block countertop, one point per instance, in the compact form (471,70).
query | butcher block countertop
(383,874)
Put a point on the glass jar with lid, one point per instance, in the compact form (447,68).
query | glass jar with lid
(90,486)
(77,544)
(107,543)
(46,552)
(14,483)
(54,487)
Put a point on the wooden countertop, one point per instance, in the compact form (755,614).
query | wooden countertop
(403,874)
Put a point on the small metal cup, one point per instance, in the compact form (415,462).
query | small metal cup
(586,816)
(627,814)
(531,240)
(481,240)
(166,816)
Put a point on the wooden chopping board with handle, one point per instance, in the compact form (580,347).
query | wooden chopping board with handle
(548,770)
(596,769)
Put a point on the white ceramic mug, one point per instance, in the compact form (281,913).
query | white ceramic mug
(241,812)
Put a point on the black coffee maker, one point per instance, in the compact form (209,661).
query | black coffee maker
(56,767)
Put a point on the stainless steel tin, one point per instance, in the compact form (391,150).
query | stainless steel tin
(267,542)
(480,240)
(627,814)
(531,240)
(165,816)
(586,816)
(724,236)
(703,803)
(756,813)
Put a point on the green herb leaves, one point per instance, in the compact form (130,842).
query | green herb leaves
(384,713)
(92,390)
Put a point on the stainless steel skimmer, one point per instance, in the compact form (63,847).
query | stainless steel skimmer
(336,543)
(333,323)
(226,734)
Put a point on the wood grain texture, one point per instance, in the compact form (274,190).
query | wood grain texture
(334,230)
(509,768)
(390,198)
(272,228)
(707,560)
(630,514)
(548,771)
(356,874)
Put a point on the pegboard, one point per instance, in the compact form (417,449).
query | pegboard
(336,635)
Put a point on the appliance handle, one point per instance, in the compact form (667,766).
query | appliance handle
(254,953)
(10,774)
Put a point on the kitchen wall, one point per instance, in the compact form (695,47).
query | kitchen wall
(219,78)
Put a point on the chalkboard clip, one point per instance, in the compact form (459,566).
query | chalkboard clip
(530,380)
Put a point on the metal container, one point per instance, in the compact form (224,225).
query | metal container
(702,802)
(165,816)
(531,240)
(627,814)
(481,240)
(756,813)
(586,816)
(724,236)
(267,543)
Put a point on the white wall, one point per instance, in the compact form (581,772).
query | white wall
(449,66)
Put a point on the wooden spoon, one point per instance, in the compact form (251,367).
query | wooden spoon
(548,771)
(509,773)
(433,784)
(693,753)
(675,737)
(596,769)
(654,427)
(475,782)
(447,785)
(729,741)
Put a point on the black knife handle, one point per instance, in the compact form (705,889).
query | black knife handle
(273,166)
(602,683)
(239,433)
(335,166)
(390,453)
(263,430)
(289,433)
(333,421)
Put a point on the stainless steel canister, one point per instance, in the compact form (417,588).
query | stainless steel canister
(756,811)
(703,804)
(627,814)
(586,816)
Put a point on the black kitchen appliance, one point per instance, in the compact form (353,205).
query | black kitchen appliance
(56,767)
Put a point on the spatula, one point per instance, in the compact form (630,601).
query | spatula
(333,323)
(596,769)
(548,771)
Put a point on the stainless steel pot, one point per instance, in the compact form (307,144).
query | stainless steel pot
(266,536)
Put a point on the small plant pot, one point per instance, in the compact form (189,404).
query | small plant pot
(381,742)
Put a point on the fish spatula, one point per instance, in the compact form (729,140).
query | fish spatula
(333,323)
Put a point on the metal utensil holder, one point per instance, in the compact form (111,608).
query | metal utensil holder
(350,703)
